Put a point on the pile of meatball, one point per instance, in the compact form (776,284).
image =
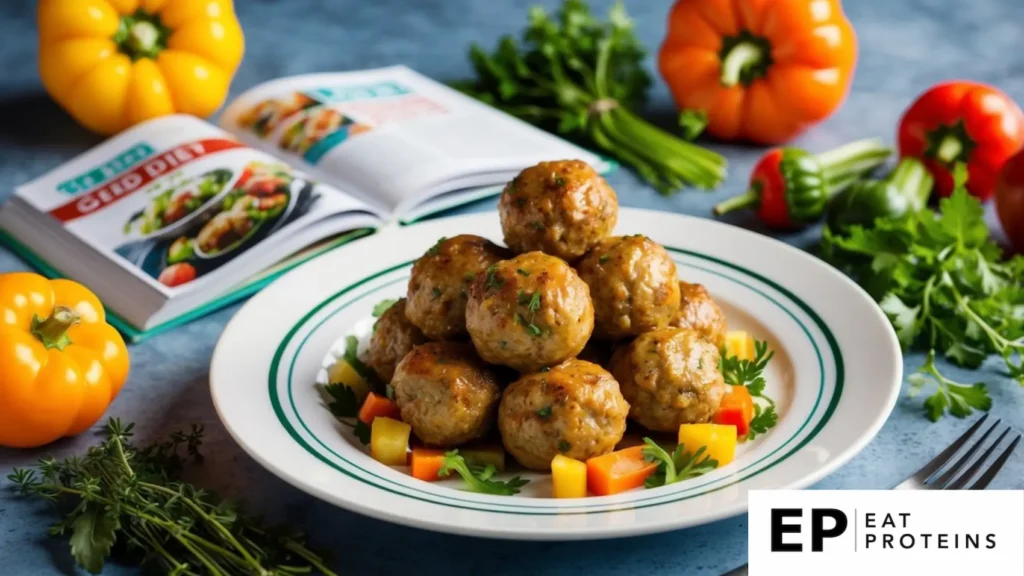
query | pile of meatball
(558,338)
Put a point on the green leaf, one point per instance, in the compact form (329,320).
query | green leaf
(362,431)
(93,534)
(343,402)
(935,406)
(964,354)
(479,480)
(383,306)
(693,123)
(904,318)
(763,421)
(965,397)
(959,399)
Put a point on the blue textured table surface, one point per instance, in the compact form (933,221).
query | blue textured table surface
(905,47)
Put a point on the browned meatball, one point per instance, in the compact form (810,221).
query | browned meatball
(562,208)
(699,312)
(393,337)
(670,377)
(633,284)
(575,409)
(529,312)
(436,294)
(446,393)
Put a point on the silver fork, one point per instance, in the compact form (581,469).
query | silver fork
(928,478)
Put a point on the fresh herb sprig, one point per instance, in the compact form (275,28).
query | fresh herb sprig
(750,373)
(675,467)
(479,479)
(129,504)
(577,75)
(941,280)
(341,399)
(958,398)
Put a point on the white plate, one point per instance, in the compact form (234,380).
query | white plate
(836,376)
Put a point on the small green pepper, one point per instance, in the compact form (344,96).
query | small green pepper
(905,190)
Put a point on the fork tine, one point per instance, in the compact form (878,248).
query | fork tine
(955,468)
(969,474)
(989,474)
(946,455)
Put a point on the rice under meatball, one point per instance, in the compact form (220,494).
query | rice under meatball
(575,409)
(561,208)
(393,337)
(446,393)
(698,311)
(529,312)
(633,284)
(669,377)
(436,294)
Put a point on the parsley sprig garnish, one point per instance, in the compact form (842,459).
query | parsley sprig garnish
(941,280)
(479,479)
(341,399)
(675,467)
(958,398)
(750,373)
(129,504)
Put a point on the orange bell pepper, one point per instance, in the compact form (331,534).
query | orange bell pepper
(114,63)
(618,471)
(736,409)
(761,71)
(61,364)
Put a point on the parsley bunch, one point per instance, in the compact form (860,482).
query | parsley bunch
(579,76)
(943,284)
(750,373)
(128,503)
(675,467)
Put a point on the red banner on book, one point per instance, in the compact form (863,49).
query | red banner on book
(138,177)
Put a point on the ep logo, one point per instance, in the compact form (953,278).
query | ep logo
(820,524)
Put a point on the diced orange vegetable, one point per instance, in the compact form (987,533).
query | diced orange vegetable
(618,471)
(740,344)
(736,409)
(389,441)
(376,407)
(425,463)
(568,477)
(718,440)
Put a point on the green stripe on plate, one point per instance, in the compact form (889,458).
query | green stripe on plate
(675,493)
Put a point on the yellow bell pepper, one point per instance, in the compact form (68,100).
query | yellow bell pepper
(341,372)
(568,477)
(718,440)
(739,344)
(389,441)
(61,364)
(114,63)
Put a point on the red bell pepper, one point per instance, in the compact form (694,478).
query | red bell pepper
(962,122)
(1010,200)
(736,409)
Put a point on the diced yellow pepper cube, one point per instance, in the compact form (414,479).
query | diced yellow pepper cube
(389,441)
(342,372)
(719,440)
(568,477)
(740,344)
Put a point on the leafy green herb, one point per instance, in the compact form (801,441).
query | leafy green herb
(750,373)
(362,431)
(342,400)
(479,479)
(545,412)
(523,273)
(941,280)
(365,372)
(675,467)
(564,446)
(558,180)
(545,369)
(693,123)
(436,248)
(577,75)
(493,280)
(436,292)
(128,504)
(604,258)
(537,225)
(959,399)
(469,277)
(383,307)
(534,304)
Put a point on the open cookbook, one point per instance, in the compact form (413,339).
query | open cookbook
(175,217)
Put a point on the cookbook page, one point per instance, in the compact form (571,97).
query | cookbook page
(391,135)
(181,203)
